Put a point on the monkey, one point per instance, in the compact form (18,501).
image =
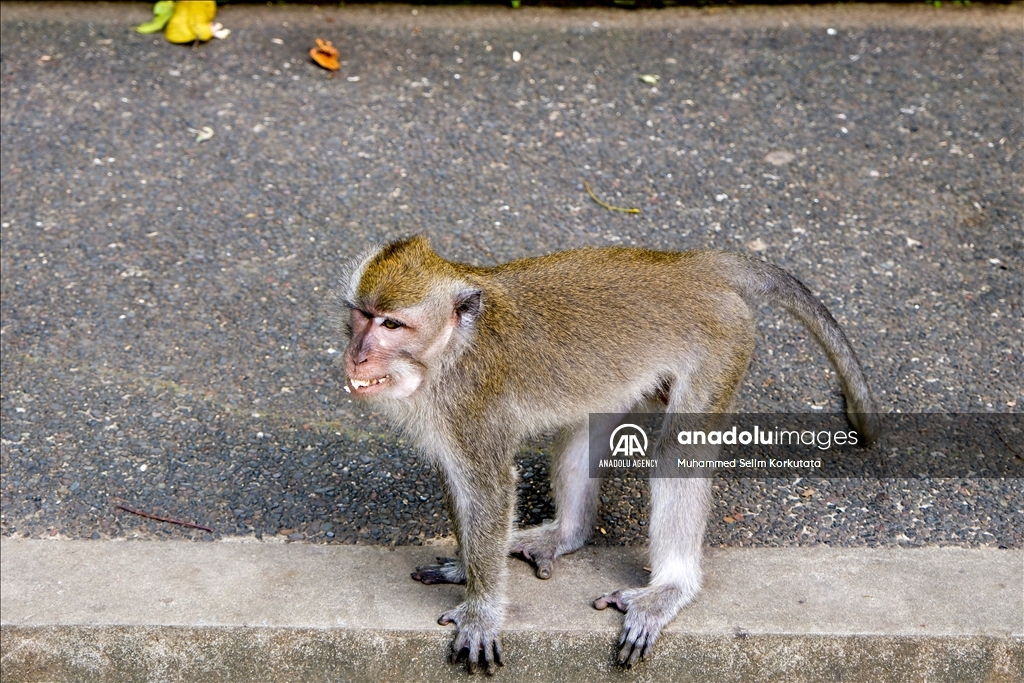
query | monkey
(470,361)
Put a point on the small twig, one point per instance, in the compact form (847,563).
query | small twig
(158,518)
(1010,448)
(606,205)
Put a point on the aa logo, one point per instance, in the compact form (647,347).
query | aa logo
(628,441)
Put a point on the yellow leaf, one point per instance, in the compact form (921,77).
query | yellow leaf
(191,21)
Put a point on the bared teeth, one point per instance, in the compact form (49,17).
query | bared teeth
(362,383)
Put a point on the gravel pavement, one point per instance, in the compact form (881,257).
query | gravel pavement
(166,322)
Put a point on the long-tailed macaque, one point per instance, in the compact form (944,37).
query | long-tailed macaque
(471,361)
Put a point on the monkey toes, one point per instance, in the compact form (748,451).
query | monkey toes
(448,571)
(538,550)
(647,610)
(544,563)
(612,600)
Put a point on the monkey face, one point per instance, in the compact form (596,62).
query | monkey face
(390,353)
(380,358)
(411,312)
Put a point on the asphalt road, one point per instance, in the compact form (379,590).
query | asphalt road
(166,320)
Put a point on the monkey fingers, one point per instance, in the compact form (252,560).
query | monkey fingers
(470,640)
(447,571)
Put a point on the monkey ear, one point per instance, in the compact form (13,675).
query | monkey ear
(468,304)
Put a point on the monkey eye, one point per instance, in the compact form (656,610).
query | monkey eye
(391,324)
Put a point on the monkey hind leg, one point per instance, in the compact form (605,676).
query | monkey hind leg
(576,496)
(448,570)
(679,504)
(678,514)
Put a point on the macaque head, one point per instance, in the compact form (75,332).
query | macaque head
(409,310)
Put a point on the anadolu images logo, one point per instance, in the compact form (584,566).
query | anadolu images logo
(628,443)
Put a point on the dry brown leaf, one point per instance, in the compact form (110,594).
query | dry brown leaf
(325,54)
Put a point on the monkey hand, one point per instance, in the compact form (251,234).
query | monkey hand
(476,634)
(448,571)
(647,610)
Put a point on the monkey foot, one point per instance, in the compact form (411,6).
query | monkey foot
(448,571)
(541,546)
(647,610)
(612,600)
(543,563)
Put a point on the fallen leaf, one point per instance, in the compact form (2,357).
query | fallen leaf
(650,79)
(202,135)
(325,54)
(162,12)
(192,20)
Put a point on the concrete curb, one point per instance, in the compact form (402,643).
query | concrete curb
(178,611)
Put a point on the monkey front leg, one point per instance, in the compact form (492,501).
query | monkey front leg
(482,512)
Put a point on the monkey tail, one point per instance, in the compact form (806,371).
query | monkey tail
(757,280)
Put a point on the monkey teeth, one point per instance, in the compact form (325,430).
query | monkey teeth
(363,383)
